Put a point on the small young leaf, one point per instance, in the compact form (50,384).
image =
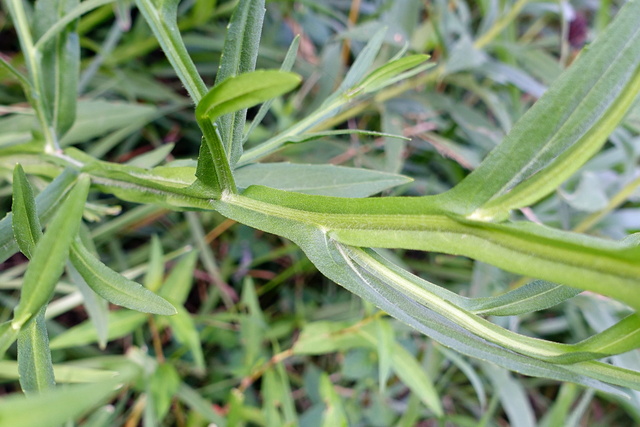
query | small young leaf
(244,91)
(393,72)
(26,225)
(287,65)
(50,255)
(362,63)
(115,288)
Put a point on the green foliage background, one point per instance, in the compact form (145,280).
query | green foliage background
(259,337)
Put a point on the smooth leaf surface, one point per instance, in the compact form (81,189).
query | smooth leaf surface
(34,357)
(114,287)
(327,180)
(51,254)
(60,63)
(563,129)
(46,204)
(234,94)
(26,225)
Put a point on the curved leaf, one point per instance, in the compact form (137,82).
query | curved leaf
(115,288)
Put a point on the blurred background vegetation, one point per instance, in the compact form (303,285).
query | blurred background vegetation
(267,340)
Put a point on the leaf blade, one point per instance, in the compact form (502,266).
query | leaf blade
(115,288)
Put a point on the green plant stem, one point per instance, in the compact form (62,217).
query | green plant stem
(166,31)
(32,59)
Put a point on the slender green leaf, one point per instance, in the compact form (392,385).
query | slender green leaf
(51,254)
(362,63)
(239,56)
(412,374)
(512,395)
(155,268)
(63,373)
(330,259)
(97,307)
(57,406)
(392,72)
(26,225)
(327,180)
(34,356)
(162,386)
(287,65)
(121,323)
(244,91)
(233,94)
(195,401)
(385,339)
(60,63)
(334,414)
(115,288)
(563,129)
(46,204)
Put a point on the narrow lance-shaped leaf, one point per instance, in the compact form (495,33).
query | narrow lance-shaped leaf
(563,129)
(46,203)
(114,287)
(59,406)
(34,357)
(233,94)
(239,55)
(50,255)
(26,225)
(60,63)
(393,72)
